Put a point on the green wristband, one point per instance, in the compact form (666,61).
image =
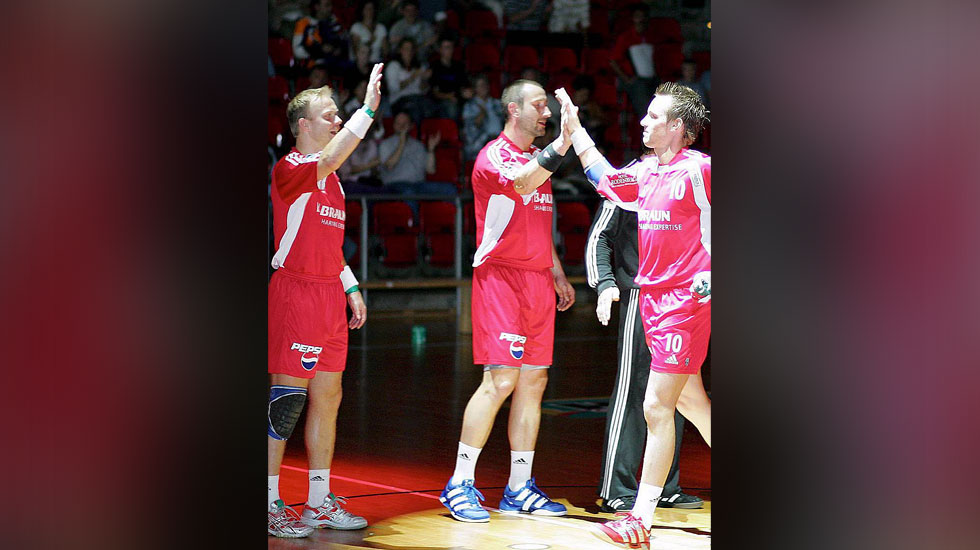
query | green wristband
(351,290)
(369,111)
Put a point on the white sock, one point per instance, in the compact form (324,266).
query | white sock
(647,498)
(319,487)
(520,468)
(273,489)
(465,463)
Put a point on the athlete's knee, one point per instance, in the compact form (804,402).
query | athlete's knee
(501,383)
(535,380)
(326,398)
(656,411)
(285,405)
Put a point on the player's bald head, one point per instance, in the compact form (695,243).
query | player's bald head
(299,107)
(517,91)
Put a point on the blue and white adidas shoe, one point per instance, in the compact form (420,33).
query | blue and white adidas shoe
(463,501)
(530,500)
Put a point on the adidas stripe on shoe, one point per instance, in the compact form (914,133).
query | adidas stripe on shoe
(463,502)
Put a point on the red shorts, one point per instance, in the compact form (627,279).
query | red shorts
(307,324)
(513,316)
(677,329)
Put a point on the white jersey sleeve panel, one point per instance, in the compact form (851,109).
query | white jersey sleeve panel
(294,218)
(500,209)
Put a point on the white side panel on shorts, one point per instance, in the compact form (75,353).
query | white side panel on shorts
(500,209)
(293,220)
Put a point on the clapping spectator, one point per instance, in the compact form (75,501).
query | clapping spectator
(368,31)
(405,162)
(483,118)
(407,81)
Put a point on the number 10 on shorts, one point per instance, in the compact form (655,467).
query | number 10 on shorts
(674,342)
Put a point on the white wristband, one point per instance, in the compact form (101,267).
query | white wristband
(347,277)
(581,141)
(359,123)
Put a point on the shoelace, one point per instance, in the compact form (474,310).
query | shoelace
(283,519)
(473,495)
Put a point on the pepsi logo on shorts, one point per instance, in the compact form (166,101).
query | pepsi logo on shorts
(310,357)
(516,343)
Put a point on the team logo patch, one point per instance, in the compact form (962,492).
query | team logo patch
(516,344)
(620,179)
(310,357)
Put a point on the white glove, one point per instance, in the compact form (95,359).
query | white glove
(702,286)
(606,298)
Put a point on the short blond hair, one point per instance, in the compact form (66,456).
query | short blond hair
(687,106)
(299,106)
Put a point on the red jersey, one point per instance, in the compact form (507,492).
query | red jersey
(673,206)
(511,229)
(307,217)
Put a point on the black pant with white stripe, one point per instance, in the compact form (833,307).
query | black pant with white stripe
(626,428)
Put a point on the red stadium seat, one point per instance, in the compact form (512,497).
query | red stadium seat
(477,23)
(596,63)
(394,224)
(281,52)
(448,131)
(438,226)
(559,59)
(482,57)
(666,29)
(606,94)
(702,60)
(517,58)
(452,20)
(447,165)
(278,89)
(277,129)
(599,21)
(667,61)
(574,220)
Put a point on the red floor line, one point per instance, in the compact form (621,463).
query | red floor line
(362,482)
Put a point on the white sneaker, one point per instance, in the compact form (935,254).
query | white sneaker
(331,515)
(284,522)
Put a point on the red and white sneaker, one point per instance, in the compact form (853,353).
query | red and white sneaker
(627,531)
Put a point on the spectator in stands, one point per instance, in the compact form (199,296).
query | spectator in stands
(318,78)
(361,68)
(483,118)
(447,80)
(688,71)
(525,16)
(568,16)
(389,11)
(407,81)
(320,38)
(368,31)
(632,60)
(411,26)
(405,162)
(590,113)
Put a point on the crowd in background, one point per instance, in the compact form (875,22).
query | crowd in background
(424,45)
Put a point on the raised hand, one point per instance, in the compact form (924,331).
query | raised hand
(372,96)
(434,140)
(569,114)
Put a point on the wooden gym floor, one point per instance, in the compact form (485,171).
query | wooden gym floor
(399,426)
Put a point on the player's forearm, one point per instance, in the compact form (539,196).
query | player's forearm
(556,269)
(346,140)
(534,173)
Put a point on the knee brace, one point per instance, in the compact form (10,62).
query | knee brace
(285,405)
